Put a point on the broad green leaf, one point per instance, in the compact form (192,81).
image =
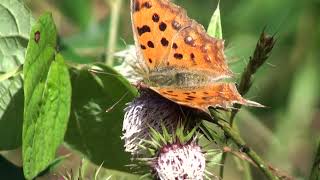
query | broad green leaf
(15,26)
(214,28)
(91,130)
(47,91)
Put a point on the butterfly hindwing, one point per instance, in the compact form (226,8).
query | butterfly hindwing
(222,95)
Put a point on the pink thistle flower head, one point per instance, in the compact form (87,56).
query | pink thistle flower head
(147,111)
(180,161)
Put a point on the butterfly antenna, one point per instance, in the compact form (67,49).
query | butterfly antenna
(116,103)
(124,42)
(102,72)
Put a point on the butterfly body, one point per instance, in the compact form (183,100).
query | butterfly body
(174,78)
(179,60)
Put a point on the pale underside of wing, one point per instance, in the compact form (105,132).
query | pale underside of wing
(222,95)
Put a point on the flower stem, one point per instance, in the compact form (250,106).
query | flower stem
(115,6)
(261,53)
(235,137)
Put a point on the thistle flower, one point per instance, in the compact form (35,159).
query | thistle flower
(178,156)
(148,110)
(180,161)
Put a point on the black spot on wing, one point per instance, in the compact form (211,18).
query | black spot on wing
(177,55)
(136,5)
(155,17)
(150,44)
(143,47)
(192,56)
(164,42)
(174,46)
(147,5)
(143,29)
(162,26)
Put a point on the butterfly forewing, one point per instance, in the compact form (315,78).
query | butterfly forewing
(155,23)
(198,52)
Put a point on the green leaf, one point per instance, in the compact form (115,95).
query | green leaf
(16,21)
(47,91)
(91,130)
(214,28)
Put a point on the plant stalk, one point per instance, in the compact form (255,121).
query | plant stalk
(115,7)
(261,53)
(235,137)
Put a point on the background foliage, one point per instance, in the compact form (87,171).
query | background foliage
(286,133)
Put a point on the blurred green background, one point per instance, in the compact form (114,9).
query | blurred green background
(286,133)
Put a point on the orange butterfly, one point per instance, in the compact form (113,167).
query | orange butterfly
(178,60)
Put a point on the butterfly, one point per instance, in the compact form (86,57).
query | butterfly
(179,60)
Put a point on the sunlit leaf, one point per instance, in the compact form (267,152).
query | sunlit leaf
(215,28)
(47,91)
(16,22)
